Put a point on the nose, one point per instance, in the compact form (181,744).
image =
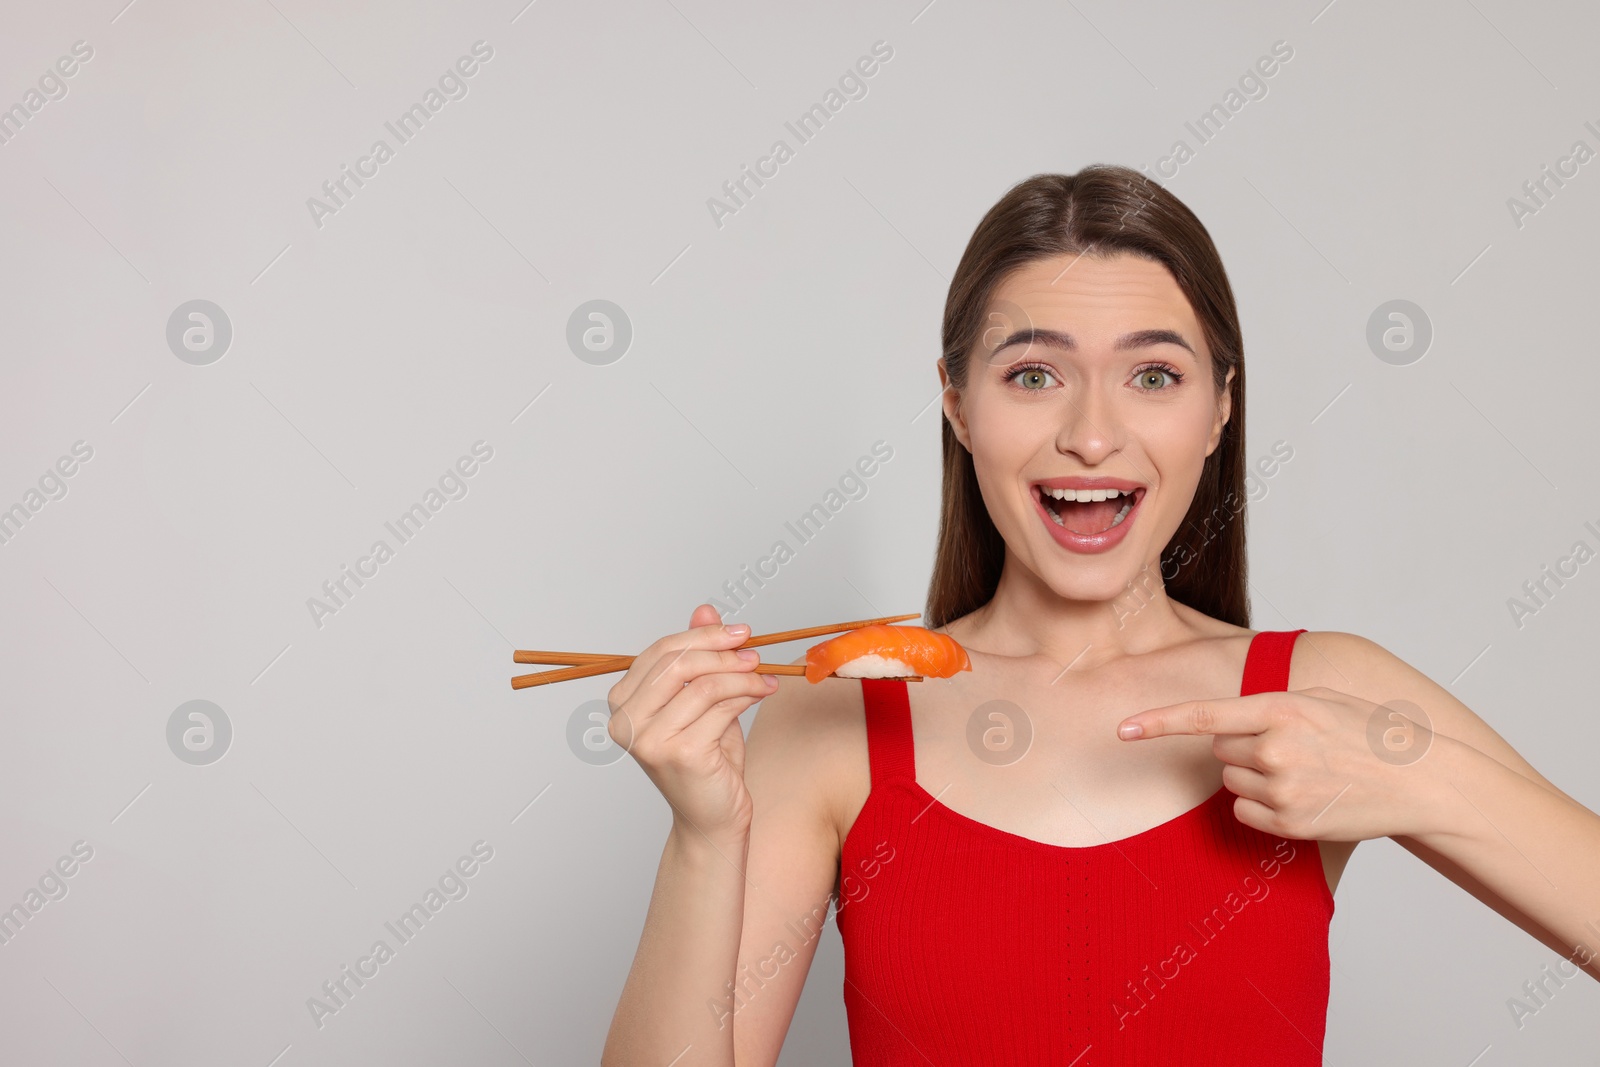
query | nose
(1090,429)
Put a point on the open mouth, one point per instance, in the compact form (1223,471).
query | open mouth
(1087,511)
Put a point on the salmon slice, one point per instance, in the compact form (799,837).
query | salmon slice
(886,652)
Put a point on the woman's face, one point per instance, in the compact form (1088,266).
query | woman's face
(1092,376)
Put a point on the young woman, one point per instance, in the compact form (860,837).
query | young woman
(1019,877)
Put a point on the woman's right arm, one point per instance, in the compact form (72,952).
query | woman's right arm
(749,863)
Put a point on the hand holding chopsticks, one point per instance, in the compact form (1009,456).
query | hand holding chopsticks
(588,664)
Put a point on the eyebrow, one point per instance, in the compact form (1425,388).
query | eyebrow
(1058,339)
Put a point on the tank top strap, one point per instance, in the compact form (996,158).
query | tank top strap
(889,742)
(1266,665)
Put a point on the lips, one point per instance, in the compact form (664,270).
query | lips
(1087,514)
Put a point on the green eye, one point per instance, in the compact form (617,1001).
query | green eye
(1031,377)
(1155,379)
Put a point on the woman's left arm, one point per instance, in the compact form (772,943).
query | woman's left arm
(1530,853)
(1363,745)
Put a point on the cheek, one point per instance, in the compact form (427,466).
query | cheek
(1007,430)
(1176,445)
(1177,442)
(1006,441)
(1183,436)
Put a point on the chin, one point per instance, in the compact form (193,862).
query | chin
(1087,578)
(1101,586)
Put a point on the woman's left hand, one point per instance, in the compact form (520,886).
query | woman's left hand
(1313,764)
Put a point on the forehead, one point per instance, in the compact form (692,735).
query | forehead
(1099,298)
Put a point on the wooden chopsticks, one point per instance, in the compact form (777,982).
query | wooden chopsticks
(588,664)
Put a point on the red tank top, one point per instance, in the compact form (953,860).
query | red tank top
(1200,941)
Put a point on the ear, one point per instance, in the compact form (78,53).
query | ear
(952,407)
(1224,410)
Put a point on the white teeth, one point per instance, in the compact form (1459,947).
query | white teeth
(1086,495)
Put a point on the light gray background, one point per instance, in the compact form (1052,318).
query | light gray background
(768,354)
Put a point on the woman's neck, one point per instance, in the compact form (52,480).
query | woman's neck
(1025,617)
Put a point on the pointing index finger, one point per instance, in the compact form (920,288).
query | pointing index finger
(1225,715)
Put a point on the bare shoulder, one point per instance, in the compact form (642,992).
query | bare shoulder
(1219,645)
(808,745)
(1362,668)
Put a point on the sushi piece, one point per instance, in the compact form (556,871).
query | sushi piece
(886,652)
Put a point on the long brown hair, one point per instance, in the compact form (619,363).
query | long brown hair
(1102,210)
